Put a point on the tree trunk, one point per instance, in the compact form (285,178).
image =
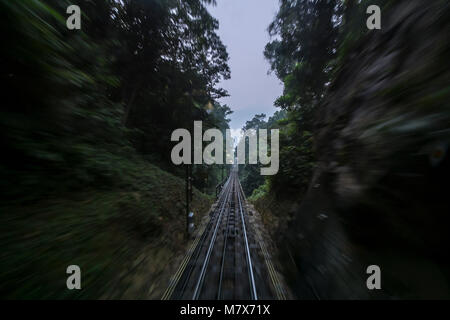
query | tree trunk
(129,105)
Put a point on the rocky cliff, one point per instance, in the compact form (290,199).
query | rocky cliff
(380,193)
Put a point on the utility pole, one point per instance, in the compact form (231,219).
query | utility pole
(188,196)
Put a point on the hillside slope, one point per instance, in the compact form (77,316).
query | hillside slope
(110,234)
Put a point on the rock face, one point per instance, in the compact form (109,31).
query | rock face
(382,141)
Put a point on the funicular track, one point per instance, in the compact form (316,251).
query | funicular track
(225,262)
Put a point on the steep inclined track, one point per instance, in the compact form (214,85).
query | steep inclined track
(226,260)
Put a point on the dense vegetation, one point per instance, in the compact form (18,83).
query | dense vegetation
(86,121)
(87,116)
(364,148)
(78,104)
(310,40)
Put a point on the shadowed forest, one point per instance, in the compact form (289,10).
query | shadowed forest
(86,123)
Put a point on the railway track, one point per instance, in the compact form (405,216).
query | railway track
(225,261)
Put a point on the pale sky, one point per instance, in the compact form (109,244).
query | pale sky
(243,30)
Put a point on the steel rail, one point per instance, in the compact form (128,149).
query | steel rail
(222,264)
(267,257)
(247,251)
(201,278)
(194,251)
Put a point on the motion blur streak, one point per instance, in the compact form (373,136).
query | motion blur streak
(87,178)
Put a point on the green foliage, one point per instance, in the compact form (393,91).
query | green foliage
(169,62)
(250,174)
(80,105)
(260,191)
(102,231)
(57,118)
(307,33)
(297,161)
(81,111)
(311,37)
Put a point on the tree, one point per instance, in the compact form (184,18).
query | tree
(301,55)
(307,32)
(170,60)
